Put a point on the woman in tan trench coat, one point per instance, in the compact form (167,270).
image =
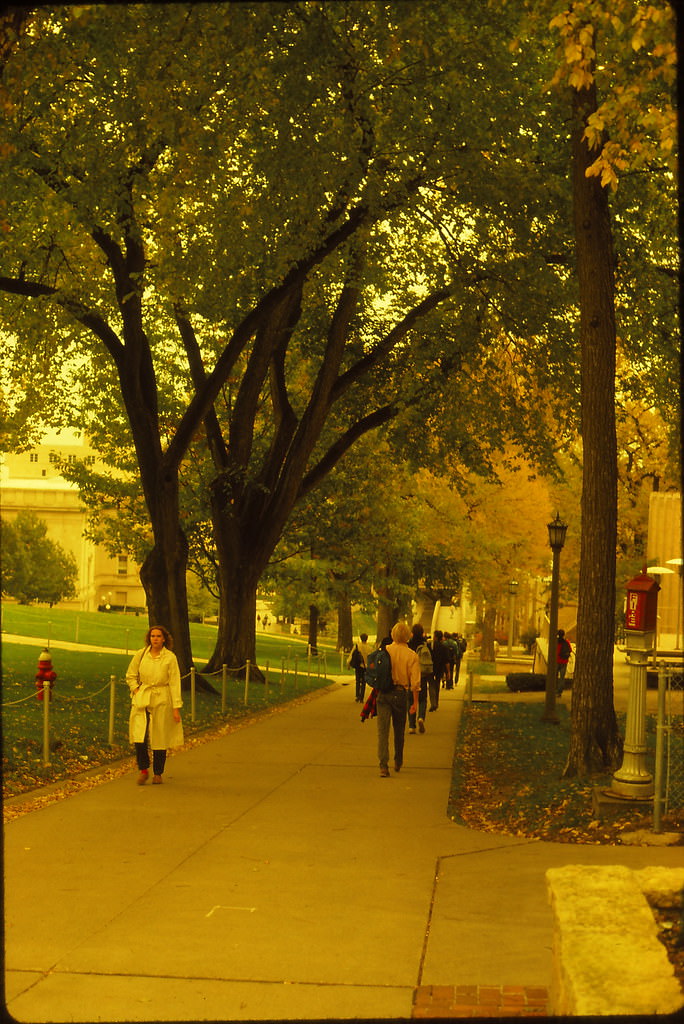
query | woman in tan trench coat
(153,678)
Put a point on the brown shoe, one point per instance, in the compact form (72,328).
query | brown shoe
(157,780)
(384,773)
(142,778)
(397,767)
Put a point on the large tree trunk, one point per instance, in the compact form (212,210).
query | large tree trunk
(487,652)
(313,629)
(388,609)
(241,560)
(163,573)
(345,634)
(594,742)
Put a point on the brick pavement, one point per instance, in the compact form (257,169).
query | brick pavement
(433,1001)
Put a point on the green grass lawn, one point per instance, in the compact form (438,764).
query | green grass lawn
(79,708)
(127,632)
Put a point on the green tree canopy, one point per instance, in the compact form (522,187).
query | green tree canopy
(35,568)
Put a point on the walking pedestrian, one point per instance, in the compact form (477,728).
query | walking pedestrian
(440,656)
(392,706)
(563,652)
(357,661)
(153,679)
(419,643)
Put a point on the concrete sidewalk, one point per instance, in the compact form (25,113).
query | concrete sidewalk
(276,876)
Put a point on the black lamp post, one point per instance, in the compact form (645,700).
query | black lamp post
(512,589)
(557,531)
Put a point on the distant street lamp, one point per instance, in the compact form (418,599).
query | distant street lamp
(557,531)
(512,590)
(658,571)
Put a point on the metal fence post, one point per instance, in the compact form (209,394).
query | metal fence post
(246,681)
(296,661)
(46,721)
(192,694)
(112,701)
(224,682)
(282,672)
(659,753)
(266,680)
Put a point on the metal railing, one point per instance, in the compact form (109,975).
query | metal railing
(669,758)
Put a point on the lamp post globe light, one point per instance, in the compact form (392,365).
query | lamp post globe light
(680,569)
(557,531)
(512,590)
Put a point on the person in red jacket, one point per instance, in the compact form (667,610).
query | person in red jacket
(563,652)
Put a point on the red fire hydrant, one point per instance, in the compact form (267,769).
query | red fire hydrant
(45,674)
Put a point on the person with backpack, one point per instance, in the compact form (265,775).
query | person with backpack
(357,661)
(420,645)
(451,650)
(440,657)
(563,652)
(392,704)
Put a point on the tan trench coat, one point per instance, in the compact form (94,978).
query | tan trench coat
(159,693)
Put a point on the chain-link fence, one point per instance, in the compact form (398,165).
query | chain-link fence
(669,781)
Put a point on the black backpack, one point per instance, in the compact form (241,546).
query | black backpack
(565,650)
(356,659)
(379,671)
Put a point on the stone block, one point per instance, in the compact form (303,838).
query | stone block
(607,958)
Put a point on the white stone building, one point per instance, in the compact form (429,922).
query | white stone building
(31,481)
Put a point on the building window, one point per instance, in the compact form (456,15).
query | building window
(123,565)
(53,457)
(33,457)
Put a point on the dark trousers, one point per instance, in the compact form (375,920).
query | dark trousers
(360,683)
(142,754)
(391,708)
(422,702)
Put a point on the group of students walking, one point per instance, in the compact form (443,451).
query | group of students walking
(419,669)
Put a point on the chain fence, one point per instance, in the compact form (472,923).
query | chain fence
(669,767)
(293,673)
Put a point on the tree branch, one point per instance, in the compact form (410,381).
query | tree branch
(343,444)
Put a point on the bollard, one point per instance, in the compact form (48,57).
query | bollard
(659,753)
(78,622)
(469,688)
(224,681)
(46,722)
(192,694)
(112,700)
(246,681)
